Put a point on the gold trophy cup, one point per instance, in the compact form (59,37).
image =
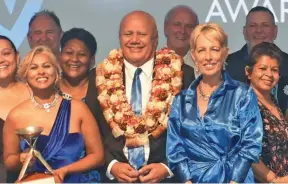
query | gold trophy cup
(30,134)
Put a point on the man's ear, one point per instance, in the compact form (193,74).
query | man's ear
(165,28)
(244,31)
(61,34)
(29,39)
(275,32)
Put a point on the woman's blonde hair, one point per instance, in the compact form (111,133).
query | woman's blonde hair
(210,31)
(26,62)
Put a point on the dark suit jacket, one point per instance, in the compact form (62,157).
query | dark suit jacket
(282,97)
(236,69)
(238,60)
(114,146)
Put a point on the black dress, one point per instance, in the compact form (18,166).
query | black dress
(3,173)
(5,176)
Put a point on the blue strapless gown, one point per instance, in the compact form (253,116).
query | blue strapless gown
(62,148)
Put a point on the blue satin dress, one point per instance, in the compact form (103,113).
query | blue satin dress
(62,148)
(222,145)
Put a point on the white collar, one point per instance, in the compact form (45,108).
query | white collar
(147,67)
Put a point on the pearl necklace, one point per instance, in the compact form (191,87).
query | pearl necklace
(45,106)
(205,97)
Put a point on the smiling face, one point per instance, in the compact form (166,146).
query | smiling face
(209,55)
(138,38)
(76,59)
(264,75)
(259,28)
(41,73)
(44,31)
(179,27)
(8,60)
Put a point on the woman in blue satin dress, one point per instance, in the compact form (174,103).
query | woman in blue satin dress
(215,128)
(70,141)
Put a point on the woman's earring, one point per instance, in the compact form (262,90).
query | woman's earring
(224,65)
(196,68)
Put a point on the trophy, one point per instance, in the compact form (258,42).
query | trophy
(30,134)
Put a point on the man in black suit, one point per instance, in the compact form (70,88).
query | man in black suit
(260,26)
(282,95)
(138,37)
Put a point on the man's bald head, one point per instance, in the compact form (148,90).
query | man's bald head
(140,15)
(138,37)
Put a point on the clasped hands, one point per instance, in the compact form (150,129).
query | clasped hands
(152,173)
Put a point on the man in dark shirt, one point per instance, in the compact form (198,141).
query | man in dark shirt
(260,26)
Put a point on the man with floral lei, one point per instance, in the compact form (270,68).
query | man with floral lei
(135,87)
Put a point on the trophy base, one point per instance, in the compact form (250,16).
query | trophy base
(36,178)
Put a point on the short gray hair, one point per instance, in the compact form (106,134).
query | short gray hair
(171,11)
(50,14)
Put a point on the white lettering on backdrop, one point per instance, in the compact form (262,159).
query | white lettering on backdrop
(216,9)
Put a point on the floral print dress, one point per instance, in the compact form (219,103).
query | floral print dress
(275,141)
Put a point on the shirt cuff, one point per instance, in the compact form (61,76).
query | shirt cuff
(108,172)
(169,171)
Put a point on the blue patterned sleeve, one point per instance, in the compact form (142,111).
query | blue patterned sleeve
(251,133)
(175,151)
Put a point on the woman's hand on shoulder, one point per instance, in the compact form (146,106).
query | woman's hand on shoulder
(188,182)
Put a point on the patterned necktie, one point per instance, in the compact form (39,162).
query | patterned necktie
(136,155)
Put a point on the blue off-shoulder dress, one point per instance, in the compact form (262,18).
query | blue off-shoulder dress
(220,146)
(62,148)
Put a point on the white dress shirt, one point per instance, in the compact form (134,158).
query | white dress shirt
(146,78)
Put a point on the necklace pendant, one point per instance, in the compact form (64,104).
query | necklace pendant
(47,106)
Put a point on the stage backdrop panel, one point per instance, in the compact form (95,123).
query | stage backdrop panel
(102,18)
